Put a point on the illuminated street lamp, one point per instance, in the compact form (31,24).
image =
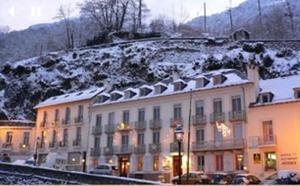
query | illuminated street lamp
(179,137)
(35,156)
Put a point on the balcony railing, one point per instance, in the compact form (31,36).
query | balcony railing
(199,120)
(42,146)
(140,125)
(155,124)
(78,120)
(24,146)
(257,141)
(76,143)
(66,121)
(7,146)
(63,144)
(217,117)
(154,148)
(44,124)
(124,149)
(55,124)
(110,128)
(124,127)
(95,152)
(53,145)
(108,151)
(97,130)
(140,149)
(237,115)
(174,122)
(218,145)
(174,147)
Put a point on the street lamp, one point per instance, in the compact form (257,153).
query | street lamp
(35,156)
(179,137)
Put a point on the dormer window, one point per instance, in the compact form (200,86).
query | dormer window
(266,97)
(297,93)
(201,82)
(218,79)
(129,94)
(102,99)
(179,86)
(159,89)
(115,96)
(144,91)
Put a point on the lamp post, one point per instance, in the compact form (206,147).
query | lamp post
(179,136)
(35,156)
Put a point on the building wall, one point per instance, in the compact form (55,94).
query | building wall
(166,104)
(72,126)
(286,127)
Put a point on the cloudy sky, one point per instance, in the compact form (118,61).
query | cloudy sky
(20,14)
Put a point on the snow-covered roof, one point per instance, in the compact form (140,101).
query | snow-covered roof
(233,77)
(282,88)
(71,97)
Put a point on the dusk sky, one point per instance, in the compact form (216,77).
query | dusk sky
(20,14)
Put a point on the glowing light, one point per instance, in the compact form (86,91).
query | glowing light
(223,128)
(73,159)
(24,146)
(122,126)
(110,161)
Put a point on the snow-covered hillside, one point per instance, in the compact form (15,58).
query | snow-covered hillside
(25,83)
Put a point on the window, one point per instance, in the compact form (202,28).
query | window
(217,106)
(9,136)
(268,135)
(297,93)
(54,136)
(98,120)
(26,136)
(42,138)
(200,138)
(238,131)
(140,139)
(80,112)
(65,137)
(177,86)
(110,139)
(177,111)
(201,163)
(125,140)
(140,163)
(236,104)
(218,135)
(219,162)
(56,115)
(78,134)
(200,83)
(199,108)
(156,137)
(159,89)
(97,142)
(270,161)
(141,115)
(45,116)
(156,113)
(239,161)
(74,157)
(155,163)
(68,115)
(144,91)
(111,118)
(115,96)
(126,116)
(266,97)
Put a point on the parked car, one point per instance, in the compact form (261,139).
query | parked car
(222,178)
(105,169)
(246,179)
(24,162)
(288,177)
(271,179)
(194,178)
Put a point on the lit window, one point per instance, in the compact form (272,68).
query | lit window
(155,163)
(140,163)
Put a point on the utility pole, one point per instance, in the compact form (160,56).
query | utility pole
(230,16)
(260,17)
(205,21)
(189,139)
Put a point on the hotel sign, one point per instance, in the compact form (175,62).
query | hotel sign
(288,158)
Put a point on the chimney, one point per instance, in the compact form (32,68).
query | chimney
(107,85)
(175,75)
(253,75)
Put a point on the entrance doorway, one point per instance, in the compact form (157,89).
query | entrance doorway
(270,163)
(176,162)
(124,165)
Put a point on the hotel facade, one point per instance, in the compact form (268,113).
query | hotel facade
(134,128)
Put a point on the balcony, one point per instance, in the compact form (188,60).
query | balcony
(44,124)
(109,151)
(42,146)
(217,117)
(174,122)
(199,120)
(95,152)
(174,147)
(154,148)
(7,146)
(237,115)
(97,130)
(110,128)
(257,141)
(140,125)
(63,144)
(78,120)
(230,144)
(140,149)
(155,124)
(24,147)
(55,123)
(124,149)
(77,143)
(53,145)
(124,127)
(66,121)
